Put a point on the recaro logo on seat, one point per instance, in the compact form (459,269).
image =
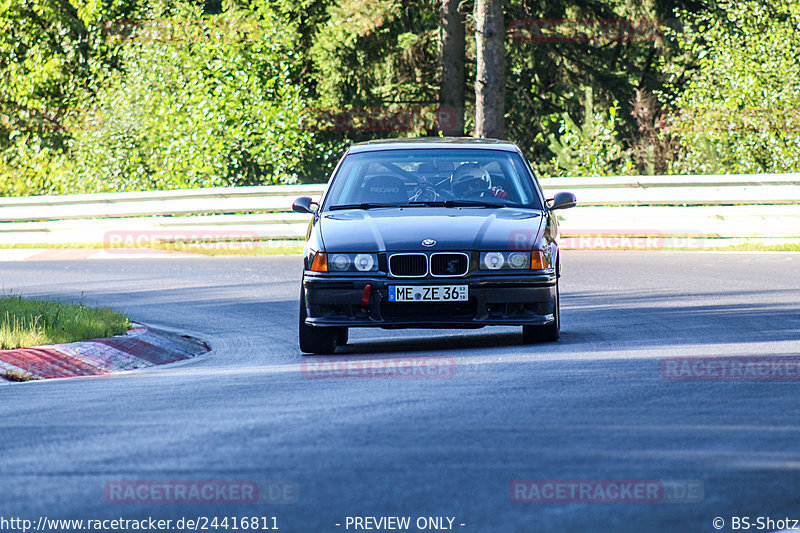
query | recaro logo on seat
(384,189)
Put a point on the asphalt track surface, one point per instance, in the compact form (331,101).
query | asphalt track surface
(593,406)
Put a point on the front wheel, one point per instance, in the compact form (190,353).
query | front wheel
(316,340)
(547,333)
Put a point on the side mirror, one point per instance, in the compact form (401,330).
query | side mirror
(303,205)
(563,200)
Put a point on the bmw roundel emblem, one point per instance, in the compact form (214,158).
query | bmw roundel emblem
(428,242)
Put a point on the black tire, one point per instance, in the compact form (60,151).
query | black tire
(547,333)
(316,340)
(342,337)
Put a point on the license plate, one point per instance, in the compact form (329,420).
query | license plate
(428,293)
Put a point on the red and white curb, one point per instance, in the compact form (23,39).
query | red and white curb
(139,347)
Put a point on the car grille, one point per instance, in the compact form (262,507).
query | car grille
(455,264)
(408,265)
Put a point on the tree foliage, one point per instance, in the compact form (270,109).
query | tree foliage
(740,113)
(165,96)
(138,94)
(200,101)
(372,52)
(591,148)
(559,47)
(50,53)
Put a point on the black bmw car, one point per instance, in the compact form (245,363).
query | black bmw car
(430,233)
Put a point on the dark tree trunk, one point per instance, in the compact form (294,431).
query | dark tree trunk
(451,54)
(490,76)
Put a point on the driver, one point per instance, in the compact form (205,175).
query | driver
(471,180)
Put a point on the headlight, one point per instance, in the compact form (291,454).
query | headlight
(519,260)
(339,262)
(352,262)
(365,262)
(535,260)
(492,260)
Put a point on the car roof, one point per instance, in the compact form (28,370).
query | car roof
(432,142)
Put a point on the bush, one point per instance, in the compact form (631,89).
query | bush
(741,111)
(199,102)
(158,96)
(589,149)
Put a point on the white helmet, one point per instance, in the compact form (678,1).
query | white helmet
(469,177)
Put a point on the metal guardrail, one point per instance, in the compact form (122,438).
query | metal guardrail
(764,206)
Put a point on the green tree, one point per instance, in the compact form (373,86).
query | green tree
(373,52)
(740,111)
(50,52)
(199,101)
(112,95)
(557,47)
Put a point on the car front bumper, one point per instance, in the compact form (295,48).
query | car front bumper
(494,300)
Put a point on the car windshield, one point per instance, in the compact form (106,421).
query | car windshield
(432,177)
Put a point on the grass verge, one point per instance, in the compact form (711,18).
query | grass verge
(754,247)
(25,323)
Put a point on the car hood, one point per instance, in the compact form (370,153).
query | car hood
(404,229)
